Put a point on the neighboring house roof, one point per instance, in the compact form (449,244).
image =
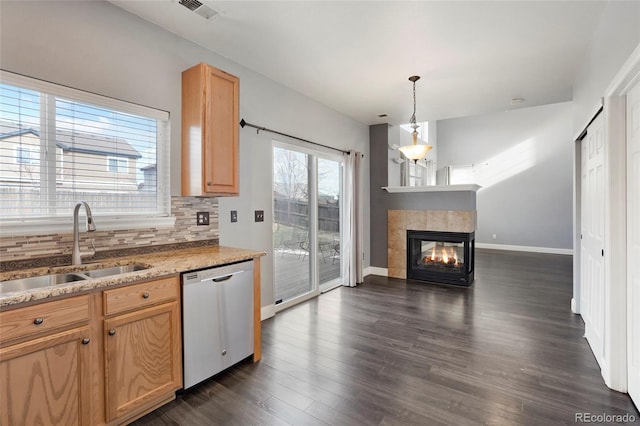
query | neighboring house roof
(19,132)
(149,167)
(87,143)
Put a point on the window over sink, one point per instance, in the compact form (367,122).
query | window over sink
(59,146)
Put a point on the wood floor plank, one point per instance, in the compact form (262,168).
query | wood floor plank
(506,351)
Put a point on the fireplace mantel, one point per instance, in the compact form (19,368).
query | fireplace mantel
(432,188)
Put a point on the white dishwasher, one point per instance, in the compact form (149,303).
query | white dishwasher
(217,319)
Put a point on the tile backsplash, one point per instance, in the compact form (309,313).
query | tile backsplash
(185,230)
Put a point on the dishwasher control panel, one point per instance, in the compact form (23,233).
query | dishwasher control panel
(218,272)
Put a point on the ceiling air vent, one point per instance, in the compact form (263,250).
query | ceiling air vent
(199,8)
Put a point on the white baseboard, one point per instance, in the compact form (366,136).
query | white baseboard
(531,249)
(374,270)
(267,312)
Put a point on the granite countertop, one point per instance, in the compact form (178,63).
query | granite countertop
(159,264)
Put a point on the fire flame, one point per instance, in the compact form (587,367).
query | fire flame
(446,256)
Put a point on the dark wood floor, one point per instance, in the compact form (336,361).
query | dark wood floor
(506,351)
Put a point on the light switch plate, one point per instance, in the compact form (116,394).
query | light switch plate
(202,218)
(259,216)
(234,215)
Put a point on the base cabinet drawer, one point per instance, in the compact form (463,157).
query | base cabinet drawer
(139,296)
(43,318)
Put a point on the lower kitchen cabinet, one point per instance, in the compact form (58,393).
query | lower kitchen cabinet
(104,358)
(142,359)
(47,379)
(142,347)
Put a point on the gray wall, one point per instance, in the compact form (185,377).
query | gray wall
(614,38)
(101,48)
(532,207)
(381,200)
(378,162)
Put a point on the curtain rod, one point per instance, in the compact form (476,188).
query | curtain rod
(258,128)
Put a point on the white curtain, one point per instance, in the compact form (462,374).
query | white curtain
(353,230)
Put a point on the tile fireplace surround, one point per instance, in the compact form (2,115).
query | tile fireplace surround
(399,221)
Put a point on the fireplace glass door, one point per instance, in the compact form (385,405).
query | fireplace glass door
(445,257)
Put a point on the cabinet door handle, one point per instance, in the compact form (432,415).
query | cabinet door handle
(86,341)
(38,321)
(224,352)
(145,295)
(209,183)
(112,332)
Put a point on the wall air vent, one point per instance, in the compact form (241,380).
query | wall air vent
(199,8)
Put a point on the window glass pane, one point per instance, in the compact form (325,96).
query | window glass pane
(292,264)
(329,220)
(19,152)
(461,175)
(79,152)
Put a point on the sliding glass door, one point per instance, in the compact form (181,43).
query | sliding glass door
(307,217)
(329,220)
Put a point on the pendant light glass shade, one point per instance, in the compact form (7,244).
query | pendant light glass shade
(416,151)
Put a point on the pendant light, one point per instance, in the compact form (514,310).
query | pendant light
(416,151)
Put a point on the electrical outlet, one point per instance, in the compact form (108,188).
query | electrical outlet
(202,218)
(494,236)
(234,215)
(259,216)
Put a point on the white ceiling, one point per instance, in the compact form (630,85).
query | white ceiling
(356,56)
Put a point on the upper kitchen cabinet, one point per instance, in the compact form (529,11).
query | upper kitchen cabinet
(210,111)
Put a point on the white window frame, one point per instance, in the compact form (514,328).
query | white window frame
(32,157)
(54,224)
(122,164)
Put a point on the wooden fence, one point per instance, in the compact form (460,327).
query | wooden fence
(295,213)
(23,202)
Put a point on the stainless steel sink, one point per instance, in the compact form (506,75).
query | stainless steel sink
(114,270)
(32,283)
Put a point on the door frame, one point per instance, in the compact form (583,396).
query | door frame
(615,372)
(614,368)
(313,220)
(633,374)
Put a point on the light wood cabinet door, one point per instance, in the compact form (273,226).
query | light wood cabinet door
(142,358)
(47,380)
(210,120)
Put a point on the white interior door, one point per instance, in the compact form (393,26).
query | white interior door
(592,295)
(633,243)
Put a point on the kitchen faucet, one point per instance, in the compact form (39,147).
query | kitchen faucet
(76,255)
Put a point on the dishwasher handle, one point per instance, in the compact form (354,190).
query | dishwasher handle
(221,278)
